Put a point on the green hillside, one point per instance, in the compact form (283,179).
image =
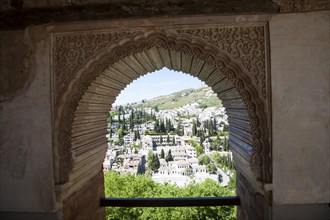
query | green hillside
(203,97)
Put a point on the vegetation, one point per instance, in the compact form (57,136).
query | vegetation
(142,186)
(169,156)
(154,164)
(225,163)
(183,98)
(220,142)
(204,160)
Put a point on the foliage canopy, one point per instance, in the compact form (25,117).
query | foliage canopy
(142,186)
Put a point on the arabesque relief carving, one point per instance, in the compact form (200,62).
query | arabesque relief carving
(244,44)
(72,50)
(236,52)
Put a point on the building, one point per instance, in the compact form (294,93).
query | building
(190,151)
(63,63)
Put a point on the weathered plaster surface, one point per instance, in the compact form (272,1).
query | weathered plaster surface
(300,99)
(18,14)
(26,171)
(15,63)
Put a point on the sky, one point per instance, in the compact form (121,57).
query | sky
(161,82)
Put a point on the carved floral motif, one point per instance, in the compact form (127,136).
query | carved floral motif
(244,44)
(72,50)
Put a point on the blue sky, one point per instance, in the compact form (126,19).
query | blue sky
(162,82)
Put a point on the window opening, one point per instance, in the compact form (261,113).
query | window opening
(168,137)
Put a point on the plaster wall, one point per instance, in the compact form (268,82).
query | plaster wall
(26,171)
(300,105)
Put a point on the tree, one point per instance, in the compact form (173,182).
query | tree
(198,122)
(155,164)
(149,158)
(142,165)
(199,150)
(156,127)
(110,132)
(123,123)
(162,126)
(210,168)
(121,134)
(167,125)
(136,135)
(131,186)
(169,156)
(162,154)
(214,123)
(204,160)
(188,171)
(225,144)
(194,128)
(202,138)
(211,128)
(131,120)
(136,150)
(179,129)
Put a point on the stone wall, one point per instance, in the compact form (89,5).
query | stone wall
(85,203)
(254,204)
(300,99)
(15,62)
(26,171)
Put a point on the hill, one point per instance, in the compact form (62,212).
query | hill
(202,98)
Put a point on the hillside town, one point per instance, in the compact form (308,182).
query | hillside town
(179,146)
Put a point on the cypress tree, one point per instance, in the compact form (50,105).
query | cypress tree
(156,127)
(155,164)
(162,154)
(110,133)
(194,128)
(169,156)
(162,126)
(134,138)
(131,120)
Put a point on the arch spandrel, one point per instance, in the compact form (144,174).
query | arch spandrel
(93,88)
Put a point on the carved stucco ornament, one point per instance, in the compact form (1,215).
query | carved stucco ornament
(237,52)
(287,6)
(244,44)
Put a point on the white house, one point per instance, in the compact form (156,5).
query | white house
(190,150)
